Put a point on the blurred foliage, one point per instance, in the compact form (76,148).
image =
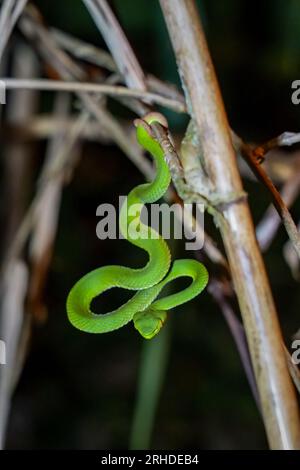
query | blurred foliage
(78,390)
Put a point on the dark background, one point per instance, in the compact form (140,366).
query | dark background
(78,390)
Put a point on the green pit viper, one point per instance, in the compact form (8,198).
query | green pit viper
(146,310)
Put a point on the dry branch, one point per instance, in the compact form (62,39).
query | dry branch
(268,226)
(260,173)
(114,91)
(285,139)
(117,43)
(277,396)
(10,12)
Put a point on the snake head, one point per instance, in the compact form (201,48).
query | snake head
(146,135)
(149,322)
(149,119)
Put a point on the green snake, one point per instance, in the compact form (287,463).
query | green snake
(146,310)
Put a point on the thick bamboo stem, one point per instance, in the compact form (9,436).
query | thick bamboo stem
(279,405)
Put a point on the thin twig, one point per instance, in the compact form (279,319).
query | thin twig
(117,43)
(288,222)
(90,53)
(44,126)
(10,12)
(268,226)
(285,139)
(67,69)
(216,289)
(292,258)
(44,227)
(64,161)
(13,292)
(84,51)
(113,91)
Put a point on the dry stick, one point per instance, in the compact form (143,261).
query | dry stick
(90,53)
(21,107)
(283,140)
(277,395)
(5,16)
(64,161)
(113,91)
(292,258)
(282,164)
(278,202)
(217,291)
(119,47)
(10,12)
(84,51)
(44,126)
(46,217)
(268,226)
(67,69)
(14,324)
(117,43)
(13,292)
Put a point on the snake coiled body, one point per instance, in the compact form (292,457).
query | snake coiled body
(147,312)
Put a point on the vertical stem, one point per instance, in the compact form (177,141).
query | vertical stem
(277,395)
(152,371)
